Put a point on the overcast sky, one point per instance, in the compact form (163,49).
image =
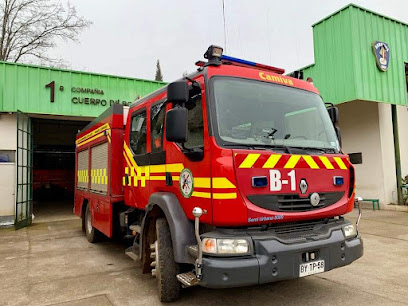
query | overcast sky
(128,36)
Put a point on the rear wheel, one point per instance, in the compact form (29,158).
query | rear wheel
(92,234)
(165,268)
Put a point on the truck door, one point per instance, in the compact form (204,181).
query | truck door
(190,163)
(136,159)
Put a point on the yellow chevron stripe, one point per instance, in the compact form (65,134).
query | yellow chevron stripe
(224,196)
(249,161)
(326,162)
(222,182)
(340,163)
(272,161)
(310,161)
(291,163)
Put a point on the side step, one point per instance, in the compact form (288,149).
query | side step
(188,279)
(132,252)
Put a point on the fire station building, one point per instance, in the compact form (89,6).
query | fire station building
(361,65)
(41,111)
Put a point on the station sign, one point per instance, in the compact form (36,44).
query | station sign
(43,90)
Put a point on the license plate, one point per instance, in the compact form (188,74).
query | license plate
(311,268)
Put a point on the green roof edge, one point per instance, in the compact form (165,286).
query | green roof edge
(82,72)
(361,8)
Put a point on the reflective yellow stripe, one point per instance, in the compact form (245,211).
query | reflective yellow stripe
(291,163)
(157,178)
(272,161)
(249,161)
(94,132)
(326,162)
(202,182)
(310,161)
(174,167)
(90,139)
(222,182)
(340,163)
(157,168)
(199,194)
(224,196)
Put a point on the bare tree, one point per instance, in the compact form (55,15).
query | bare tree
(30,28)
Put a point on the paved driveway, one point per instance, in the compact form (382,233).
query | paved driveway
(52,263)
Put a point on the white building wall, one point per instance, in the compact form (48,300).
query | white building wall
(388,154)
(8,142)
(360,129)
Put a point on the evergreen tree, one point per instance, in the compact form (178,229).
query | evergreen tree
(159,76)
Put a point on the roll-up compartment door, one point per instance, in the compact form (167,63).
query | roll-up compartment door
(99,168)
(82,171)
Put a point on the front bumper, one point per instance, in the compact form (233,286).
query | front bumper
(277,259)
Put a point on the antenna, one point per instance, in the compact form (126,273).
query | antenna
(225,32)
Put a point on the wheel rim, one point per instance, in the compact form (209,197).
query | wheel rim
(88,223)
(154,254)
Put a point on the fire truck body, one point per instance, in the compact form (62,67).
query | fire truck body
(236,170)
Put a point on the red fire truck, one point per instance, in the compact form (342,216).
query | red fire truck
(231,176)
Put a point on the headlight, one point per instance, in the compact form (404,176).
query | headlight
(350,231)
(225,246)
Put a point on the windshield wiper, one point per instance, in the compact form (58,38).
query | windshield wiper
(322,150)
(286,149)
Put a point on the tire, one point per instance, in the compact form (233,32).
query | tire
(166,268)
(92,234)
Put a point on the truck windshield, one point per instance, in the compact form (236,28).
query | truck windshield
(254,113)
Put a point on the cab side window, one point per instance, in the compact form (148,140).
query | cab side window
(157,114)
(138,134)
(195,126)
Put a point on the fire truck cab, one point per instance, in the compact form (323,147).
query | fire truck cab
(231,176)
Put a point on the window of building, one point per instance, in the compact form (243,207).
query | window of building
(195,126)
(138,134)
(157,112)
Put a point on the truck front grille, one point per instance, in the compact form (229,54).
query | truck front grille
(297,230)
(292,202)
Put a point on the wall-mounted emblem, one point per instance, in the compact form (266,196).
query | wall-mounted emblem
(186,183)
(382,54)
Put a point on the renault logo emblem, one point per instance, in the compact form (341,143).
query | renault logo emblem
(303,186)
(314,199)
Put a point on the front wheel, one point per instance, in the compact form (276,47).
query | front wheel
(165,268)
(92,234)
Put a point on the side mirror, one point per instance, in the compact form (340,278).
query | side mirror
(334,114)
(178,92)
(177,124)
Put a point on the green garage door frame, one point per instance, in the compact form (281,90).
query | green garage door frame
(24,168)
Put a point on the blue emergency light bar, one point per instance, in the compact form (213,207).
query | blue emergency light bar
(245,63)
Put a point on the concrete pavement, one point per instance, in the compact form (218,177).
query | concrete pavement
(52,263)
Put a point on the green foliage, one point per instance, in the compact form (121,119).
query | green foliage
(159,76)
